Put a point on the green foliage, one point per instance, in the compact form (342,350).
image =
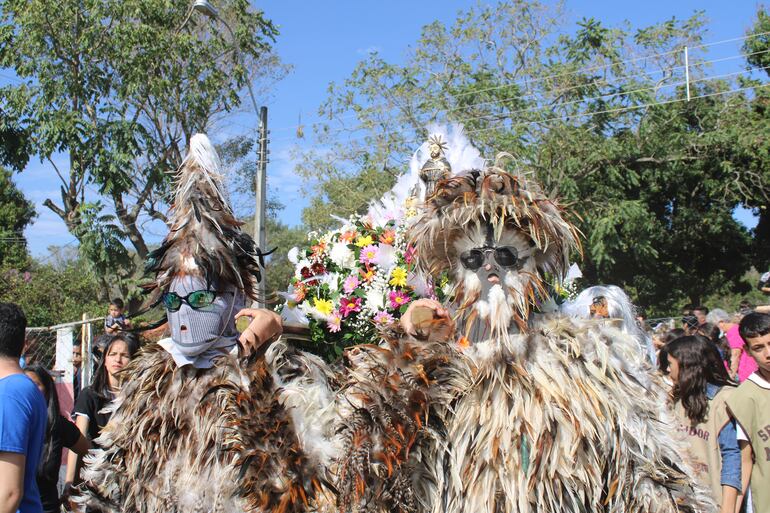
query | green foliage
(653,187)
(52,293)
(282,238)
(16,212)
(120,86)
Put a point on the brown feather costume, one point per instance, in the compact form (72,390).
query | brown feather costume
(185,439)
(546,414)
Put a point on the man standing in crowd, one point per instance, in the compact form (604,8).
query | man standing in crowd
(750,406)
(700,313)
(23,419)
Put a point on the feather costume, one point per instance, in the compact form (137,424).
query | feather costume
(208,434)
(546,413)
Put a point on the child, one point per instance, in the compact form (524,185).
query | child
(701,389)
(116,321)
(750,406)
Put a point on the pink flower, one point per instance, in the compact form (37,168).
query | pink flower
(335,321)
(398,299)
(369,254)
(349,305)
(409,254)
(382,318)
(350,284)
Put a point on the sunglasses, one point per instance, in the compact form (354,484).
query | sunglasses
(506,256)
(195,300)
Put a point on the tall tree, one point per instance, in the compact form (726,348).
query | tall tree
(119,87)
(16,212)
(757,48)
(595,115)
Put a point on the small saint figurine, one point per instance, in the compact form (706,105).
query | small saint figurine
(436,168)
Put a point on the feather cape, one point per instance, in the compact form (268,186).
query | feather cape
(579,425)
(183,439)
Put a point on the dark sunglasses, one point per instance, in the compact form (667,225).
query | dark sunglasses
(506,256)
(195,300)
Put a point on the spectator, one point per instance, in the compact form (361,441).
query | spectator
(77,361)
(115,320)
(741,364)
(750,405)
(701,389)
(664,339)
(764,283)
(22,420)
(690,324)
(700,312)
(59,433)
(687,309)
(89,417)
(745,307)
(714,333)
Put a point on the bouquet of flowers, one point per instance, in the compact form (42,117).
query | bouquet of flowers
(350,282)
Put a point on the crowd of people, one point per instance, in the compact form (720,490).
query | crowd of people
(554,411)
(33,428)
(717,364)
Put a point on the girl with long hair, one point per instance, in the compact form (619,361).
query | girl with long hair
(106,384)
(701,388)
(59,433)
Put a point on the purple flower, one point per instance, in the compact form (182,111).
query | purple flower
(369,254)
(349,305)
(350,284)
(382,318)
(409,254)
(398,299)
(335,321)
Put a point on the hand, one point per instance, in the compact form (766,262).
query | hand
(66,498)
(265,327)
(427,319)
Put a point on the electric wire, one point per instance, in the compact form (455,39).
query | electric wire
(384,106)
(512,98)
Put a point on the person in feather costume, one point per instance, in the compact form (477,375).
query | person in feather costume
(197,425)
(518,411)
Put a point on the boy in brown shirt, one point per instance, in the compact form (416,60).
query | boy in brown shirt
(750,405)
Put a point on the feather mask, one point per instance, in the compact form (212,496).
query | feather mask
(512,230)
(205,238)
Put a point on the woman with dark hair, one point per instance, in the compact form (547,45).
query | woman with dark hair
(59,433)
(701,389)
(89,417)
(714,334)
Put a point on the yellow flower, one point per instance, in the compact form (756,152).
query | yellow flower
(324,306)
(364,241)
(398,277)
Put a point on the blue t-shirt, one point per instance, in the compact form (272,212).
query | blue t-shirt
(23,418)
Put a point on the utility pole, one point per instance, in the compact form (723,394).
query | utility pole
(260,188)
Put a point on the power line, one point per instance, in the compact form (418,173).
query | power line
(386,106)
(566,89)
(621,109)
(612,95)
(586,100)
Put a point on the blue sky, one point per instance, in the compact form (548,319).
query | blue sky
(324,41)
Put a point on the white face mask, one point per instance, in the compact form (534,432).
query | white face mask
(194,331)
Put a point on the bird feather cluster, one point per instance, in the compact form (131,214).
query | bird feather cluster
(577,426)
(509,202)
(183,439)
(389,424)
(205,238)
